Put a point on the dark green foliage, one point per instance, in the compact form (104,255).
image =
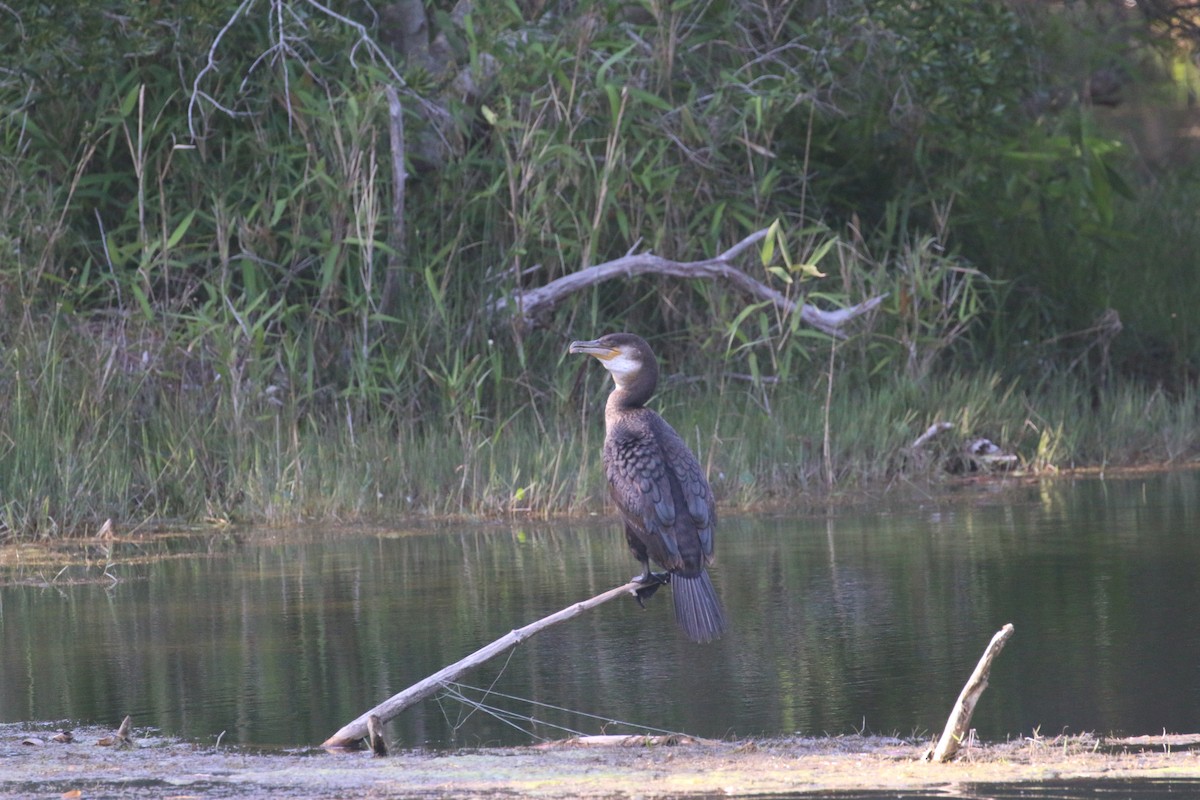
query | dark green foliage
(915,96)
(200,264)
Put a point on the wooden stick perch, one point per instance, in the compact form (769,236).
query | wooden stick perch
(352,732)
(960,718)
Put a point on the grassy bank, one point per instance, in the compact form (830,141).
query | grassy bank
(246,257)
(100,425)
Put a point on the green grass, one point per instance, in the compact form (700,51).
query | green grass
(91,433)
(205,316)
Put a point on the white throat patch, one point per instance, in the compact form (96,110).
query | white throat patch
(623,367)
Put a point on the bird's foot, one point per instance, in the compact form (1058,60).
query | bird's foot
(650,582)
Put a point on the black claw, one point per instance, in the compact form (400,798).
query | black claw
(650,582)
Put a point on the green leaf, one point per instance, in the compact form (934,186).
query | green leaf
(768,248)
(602,72)
(277,212)
(650,99)
(130,99)
(614,101)
(181,229)
(809,268)
(143,301)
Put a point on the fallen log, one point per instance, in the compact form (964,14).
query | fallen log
(533,304)
(624,740)
(352,732)
(1162,741)
(960,717)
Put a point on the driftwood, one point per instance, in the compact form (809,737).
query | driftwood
(984,454)
(353,731)
(1160,741)
(624,740)
(122,738)
(930,432)
(960,718)
(533,304)
(975,455)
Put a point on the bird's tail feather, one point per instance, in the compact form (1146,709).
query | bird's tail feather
(697,607)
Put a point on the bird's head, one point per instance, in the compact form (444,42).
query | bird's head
(624,355)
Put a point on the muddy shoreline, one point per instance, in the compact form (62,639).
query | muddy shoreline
(157,768)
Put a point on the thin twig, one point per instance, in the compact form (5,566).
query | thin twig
(286,45)
(458,692)
(211,64)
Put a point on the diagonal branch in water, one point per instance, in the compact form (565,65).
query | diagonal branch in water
(350,733)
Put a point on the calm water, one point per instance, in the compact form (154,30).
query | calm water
(863,619)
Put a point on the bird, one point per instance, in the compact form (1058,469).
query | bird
(658,486)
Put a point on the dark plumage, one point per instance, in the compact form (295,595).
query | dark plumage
(658,487)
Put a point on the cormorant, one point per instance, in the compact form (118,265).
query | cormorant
(658,486)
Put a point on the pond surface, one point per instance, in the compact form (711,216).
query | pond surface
(860,620)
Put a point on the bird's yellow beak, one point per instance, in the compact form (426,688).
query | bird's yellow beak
(594,348)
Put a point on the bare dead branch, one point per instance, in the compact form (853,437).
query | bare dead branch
(285,47)
(533,304)
(960,718)
(930,432)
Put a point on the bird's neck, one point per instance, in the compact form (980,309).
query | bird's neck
(633,389)
(625,399)
(630,394)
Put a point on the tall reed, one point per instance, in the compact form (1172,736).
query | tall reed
(192,314)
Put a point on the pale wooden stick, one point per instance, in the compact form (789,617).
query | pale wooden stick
(353,731)
(930,432)
(625,740)
(960,718)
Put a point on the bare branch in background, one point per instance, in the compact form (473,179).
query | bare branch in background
(532,305)
(288,31)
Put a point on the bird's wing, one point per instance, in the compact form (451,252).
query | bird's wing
(641,487)
(693,486)
(658,484)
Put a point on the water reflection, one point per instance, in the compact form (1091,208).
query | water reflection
(867,619)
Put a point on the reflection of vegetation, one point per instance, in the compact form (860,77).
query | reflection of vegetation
(872,618)
(208,309)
